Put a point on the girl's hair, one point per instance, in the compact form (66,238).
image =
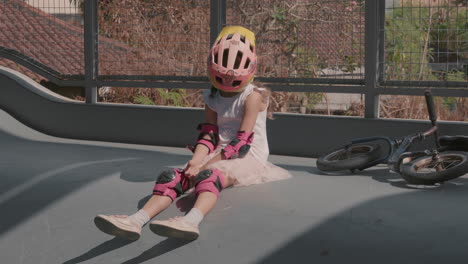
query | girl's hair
(267,97)
(264,91)
(213,91)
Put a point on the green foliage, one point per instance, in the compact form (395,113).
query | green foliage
(458,76)
(351,63)
(404,37)
(279,13)
(449,32)
(308,63)
(449,103)
(144,100)
(313,99)
(173,98)
(416,36)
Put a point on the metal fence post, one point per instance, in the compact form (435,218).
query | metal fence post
(381,40)
(371,58)
(90,49)
(217,18)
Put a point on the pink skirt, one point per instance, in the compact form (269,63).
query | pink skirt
(248,170)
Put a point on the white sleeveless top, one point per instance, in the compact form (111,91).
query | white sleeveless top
(230,111)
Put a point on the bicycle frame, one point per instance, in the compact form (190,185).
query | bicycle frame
(403,145)
(397,148)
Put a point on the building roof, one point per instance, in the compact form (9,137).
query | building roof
(60,45)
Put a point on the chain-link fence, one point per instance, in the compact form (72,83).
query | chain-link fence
(153,38)
(311,41)
(426,42)
(327,56)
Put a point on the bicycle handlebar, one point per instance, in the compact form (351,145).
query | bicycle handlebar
(432,117)
(430,131)
(430,107)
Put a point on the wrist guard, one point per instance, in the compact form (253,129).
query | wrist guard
(210,130)
(240,146)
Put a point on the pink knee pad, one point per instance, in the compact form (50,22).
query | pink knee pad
(209,181)
(172,183)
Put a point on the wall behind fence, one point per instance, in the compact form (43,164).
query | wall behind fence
(289,134)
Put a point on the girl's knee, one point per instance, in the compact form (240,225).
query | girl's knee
(211,180)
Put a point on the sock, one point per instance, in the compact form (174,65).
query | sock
(194,216)
(140,218)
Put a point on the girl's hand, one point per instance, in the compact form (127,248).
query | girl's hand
(192,169)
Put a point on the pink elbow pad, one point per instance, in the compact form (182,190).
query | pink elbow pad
(240,146)
(207,129)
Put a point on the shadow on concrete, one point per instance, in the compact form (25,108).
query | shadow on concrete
(161,248)
(103,248)
(36,174)
(384,175)
(416,226)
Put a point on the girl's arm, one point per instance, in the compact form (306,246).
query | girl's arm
(201,151)
(253,105)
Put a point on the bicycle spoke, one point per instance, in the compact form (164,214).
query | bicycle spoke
(441,165)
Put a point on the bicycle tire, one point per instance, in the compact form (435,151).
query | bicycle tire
(423,171)
(364,153)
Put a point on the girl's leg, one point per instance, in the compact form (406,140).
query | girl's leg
(186,227)
(207,200)
(129,227)
(169,182)
(156,204)
(153,206)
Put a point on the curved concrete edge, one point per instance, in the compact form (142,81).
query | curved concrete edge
(12,127)
(55,115)
(289,134)
(34,87)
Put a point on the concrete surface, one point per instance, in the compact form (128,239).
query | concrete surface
(51,188)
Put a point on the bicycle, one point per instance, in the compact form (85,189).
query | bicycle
(446,161)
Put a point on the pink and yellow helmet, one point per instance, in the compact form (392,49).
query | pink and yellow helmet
(233,59)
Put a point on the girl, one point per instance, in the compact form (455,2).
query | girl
(231,150)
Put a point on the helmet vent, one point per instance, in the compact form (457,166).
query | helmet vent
(225,57)
(247,63)
(242,38)
(251,48)
(216,58)
(238,60)
(229,36)
(236,83)
(219,80)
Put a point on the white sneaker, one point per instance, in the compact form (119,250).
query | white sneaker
(118,225)
(176,227)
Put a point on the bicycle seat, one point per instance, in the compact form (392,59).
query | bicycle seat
(454,142)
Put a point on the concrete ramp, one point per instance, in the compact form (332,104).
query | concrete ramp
(52,114)
(51,188)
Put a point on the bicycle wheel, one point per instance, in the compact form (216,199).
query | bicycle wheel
(424,170)
(354,157)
